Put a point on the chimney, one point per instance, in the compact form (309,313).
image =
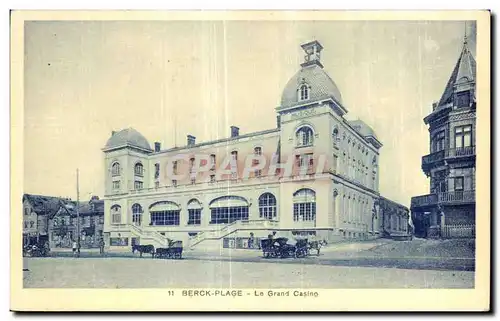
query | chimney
(191,140)
(157,146)
(235,131)
(113,132)
(278,121)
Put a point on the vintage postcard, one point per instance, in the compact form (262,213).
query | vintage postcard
(250,161)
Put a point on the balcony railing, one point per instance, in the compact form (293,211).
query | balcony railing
(455,197)
(424,200)
(448,153)
(462,151)
(434,157)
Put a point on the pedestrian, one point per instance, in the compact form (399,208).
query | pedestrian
(101,246)
(251,241)
(46,248)
(75,245)
(78,247)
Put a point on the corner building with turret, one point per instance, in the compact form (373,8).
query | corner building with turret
(449,210)
(331,191)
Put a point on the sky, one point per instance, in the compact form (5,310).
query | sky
(168,79)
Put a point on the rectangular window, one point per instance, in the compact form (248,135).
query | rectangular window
(170,217)
(138,185)
(118,241)
(305,161)
(438,142)
(463,136)
(116,218)
(138,169)
(304,212)
(225,215)
(191,165)
(194,216)
(459,183)
(212,162)
(174,165)
(116,185)
(157,170)
(463,99)
(234,171)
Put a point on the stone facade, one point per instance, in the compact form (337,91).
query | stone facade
(326,181)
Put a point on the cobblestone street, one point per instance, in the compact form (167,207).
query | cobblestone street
(148,273)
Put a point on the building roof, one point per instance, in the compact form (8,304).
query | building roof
(321,86)
(44,205)
(50,205)
(362,128)
(464,71)
(128,137)
(85,208)
(222,140)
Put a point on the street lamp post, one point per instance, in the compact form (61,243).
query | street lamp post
(77,215)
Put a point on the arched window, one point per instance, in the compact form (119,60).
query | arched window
(335,137)
(194,211)
(137,214)
(138,169)
(115,169)
(165,213)
(304,136)
(227,209)
(303,92)
(116,214)
(267,206)
(304,205)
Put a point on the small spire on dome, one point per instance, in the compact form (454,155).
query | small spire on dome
(313,53)
(465,33)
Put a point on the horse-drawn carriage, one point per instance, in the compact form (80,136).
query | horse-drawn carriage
(173,251)
(280,248)
(274,248)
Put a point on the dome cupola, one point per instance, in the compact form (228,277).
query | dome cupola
(311,83)
(128,137)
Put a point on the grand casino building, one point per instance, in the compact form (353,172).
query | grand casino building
(329,186)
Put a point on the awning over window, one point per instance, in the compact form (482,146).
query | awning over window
(164,206)
(194,204)
(228,201)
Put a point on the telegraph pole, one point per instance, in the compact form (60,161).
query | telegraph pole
(77,215)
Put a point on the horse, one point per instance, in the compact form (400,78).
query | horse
(317,245)
(144,249)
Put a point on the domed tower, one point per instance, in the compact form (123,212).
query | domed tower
(125,161)
(311,104)
(309,115)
